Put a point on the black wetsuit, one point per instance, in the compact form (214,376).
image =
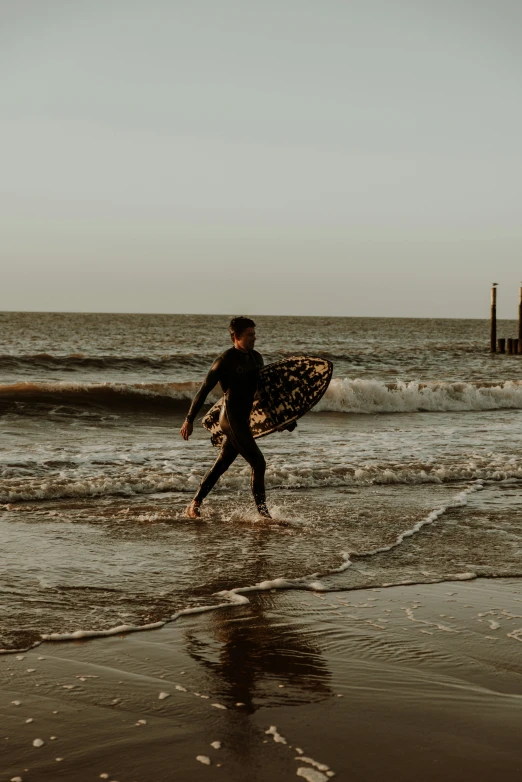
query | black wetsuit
(238,373)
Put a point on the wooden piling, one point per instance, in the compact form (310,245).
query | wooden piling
(509,346)
(501,345)
(520,318)
(493,323)
(515,346)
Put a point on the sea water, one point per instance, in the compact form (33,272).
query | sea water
(407,471)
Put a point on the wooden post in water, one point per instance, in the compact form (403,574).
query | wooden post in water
(493,324)
(515,346)
(502,346)
(510,346)
(520,319)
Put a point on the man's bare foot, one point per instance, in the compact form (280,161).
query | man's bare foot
(263,511)
(193,510)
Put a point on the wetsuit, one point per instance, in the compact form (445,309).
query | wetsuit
(238,373)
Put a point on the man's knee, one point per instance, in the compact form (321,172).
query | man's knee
(222,464)
(259,463)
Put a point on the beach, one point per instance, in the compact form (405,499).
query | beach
(411,682)
(371,630)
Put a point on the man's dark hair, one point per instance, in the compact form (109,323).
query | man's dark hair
(239,325)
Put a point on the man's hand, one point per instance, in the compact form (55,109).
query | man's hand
(186,430)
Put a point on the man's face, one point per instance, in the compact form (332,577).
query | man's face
(247,340)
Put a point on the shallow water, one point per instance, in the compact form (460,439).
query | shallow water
(419,432)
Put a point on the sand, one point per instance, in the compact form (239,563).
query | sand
(406,683)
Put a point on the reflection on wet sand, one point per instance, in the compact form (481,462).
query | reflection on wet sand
(253,656)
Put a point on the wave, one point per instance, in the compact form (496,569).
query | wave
(80,361)
(396,351)
(355,355)
(344,395)
(27,393)
(128,482)
(373,396)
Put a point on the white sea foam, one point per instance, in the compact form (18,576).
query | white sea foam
(460,500)
(312,762)
(311,775)
(233,597)
(100,633)
(122,629)
(272,731)
(52,488)
(346,395)
(128,482)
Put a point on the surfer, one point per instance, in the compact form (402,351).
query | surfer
(237,371)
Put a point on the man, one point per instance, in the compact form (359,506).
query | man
(237,371)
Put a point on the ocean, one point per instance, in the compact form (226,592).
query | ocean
(408,470)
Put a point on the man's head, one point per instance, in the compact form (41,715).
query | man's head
(243,333)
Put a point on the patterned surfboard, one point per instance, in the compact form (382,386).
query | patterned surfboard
(287,390)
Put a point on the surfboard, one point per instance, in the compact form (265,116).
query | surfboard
(287,390)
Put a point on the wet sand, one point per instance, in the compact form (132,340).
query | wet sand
(408,683)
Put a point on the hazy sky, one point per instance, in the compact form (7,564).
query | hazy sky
(345,157)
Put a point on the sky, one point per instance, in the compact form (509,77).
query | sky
(341,157)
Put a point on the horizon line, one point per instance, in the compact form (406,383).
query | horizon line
(254,314)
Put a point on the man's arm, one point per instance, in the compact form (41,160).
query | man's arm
(208,384)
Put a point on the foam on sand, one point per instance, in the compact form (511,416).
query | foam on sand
(311,775)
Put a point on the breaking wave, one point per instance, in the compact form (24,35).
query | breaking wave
(344,395)
(101,394)
(373,396)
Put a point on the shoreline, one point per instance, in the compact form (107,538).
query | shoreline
(407,681)
(235,596)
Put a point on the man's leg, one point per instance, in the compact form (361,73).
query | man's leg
(239,435)
(249,450)
(226,456)
(258,465)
